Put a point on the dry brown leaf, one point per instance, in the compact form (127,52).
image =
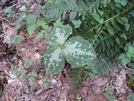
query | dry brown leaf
(9,32)
(101,81)
(10,98)
(32,98)
(23,34)
(84,90)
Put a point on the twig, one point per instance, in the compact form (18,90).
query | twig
(21,86)
(127,67)
(6,20)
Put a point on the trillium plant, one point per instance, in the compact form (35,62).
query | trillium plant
(76,50)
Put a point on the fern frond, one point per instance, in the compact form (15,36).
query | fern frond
(75,77)
(106,65)
(109,36)
(69,9)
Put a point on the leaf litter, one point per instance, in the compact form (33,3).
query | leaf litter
(59,87)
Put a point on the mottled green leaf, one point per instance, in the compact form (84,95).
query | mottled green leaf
(78,51)
(54,60)
(59,35)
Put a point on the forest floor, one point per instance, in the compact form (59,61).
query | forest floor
(59,86)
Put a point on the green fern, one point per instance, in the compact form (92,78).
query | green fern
(106,65)
(108,31)
(69,9)
(75,77)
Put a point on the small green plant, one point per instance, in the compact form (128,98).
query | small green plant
(76,50)
(76,23)
(127,57)
(91,70)
(32,22)
(45,82)
(31,76)
(9,12)
(17,39)
(21,72)
(131,97)
(47,29)
(109,94)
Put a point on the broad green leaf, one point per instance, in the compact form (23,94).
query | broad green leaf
(53,60)
(124,2)
(32,74)
(131,97)
(31,80)
(131,13)
(9,11)
(127,25)
(131,50)
(59,35)
(17,25)
(32,89)
(129,54)
(109,93)
(78,51)
(40,22)
(21,67)
(31,29)
(31,19)
(125,59)
(40,35)
(18,38)
(117,1)
(76,23)
(58,23)
(21,76)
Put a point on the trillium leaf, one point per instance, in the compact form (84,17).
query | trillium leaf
(78,51)
(59,35)
(54,61)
